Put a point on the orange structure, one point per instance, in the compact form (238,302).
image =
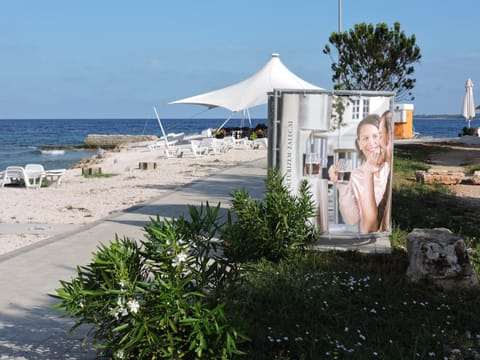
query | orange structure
(403,121)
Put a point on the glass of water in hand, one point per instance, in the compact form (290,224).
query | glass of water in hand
(343,170)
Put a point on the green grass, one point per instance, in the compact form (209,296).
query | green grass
(347,305)
(99,175)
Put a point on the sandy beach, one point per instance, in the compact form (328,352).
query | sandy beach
(81,200)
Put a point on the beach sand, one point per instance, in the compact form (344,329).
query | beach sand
(80,200)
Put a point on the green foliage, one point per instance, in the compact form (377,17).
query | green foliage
(156,300)
(374,58)
(339,105)
(270,227)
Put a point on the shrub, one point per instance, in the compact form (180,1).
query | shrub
(155,300)
(270,227)
(469,131)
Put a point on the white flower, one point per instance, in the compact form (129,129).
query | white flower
(133,305)
(114,313)
(179,259)
(119,354)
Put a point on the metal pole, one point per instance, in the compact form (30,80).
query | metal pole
(339,16)
(161,127)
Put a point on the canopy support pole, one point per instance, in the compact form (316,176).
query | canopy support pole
(228,119)
(249,118)
(161,127)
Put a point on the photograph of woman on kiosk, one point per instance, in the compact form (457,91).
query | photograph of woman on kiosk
(364,199)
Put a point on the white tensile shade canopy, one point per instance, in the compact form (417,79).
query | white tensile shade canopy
(468,109)
(253,90)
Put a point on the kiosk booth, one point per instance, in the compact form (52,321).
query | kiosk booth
(311,130)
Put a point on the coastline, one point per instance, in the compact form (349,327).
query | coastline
(32,215)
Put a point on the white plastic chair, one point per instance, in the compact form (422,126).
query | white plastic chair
(35,174)
(260,143)
(197,148)
(217,146)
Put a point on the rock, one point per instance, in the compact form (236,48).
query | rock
(438,176)
(440,257)
(111,141)
(476,178)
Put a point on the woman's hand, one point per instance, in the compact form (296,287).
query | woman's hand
(375,160)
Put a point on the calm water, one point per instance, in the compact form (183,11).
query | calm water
(441,127)
(20,139)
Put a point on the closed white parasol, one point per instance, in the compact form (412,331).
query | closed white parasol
(468,110)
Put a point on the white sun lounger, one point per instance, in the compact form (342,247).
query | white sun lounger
(55,175)
(17,175)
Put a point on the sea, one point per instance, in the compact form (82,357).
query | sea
(22,141)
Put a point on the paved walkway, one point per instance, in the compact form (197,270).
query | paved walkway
(29,329)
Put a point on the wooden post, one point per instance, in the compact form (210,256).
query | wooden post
(147,165)
(91,171)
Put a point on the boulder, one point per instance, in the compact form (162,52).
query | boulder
(440,176)
(439,257)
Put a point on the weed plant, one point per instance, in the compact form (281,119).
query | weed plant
(98,175)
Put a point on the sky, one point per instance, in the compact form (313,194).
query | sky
(118,58)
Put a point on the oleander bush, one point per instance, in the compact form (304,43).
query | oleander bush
(156,299)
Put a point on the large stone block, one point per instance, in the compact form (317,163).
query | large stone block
(439,257)
(438,176)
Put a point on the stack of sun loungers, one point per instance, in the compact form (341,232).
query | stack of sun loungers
(30,176)
(170,139)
